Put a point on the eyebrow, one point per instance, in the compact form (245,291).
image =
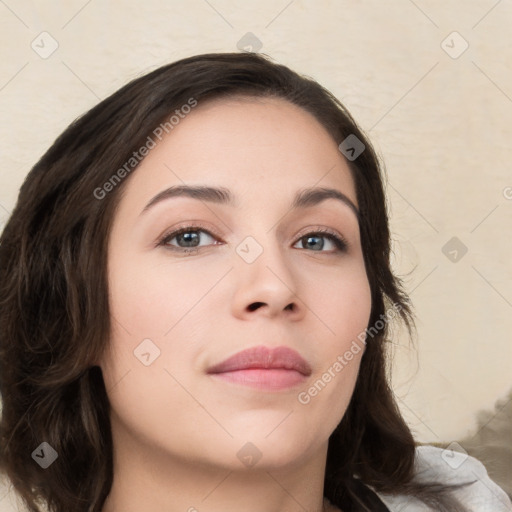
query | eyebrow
(304,198)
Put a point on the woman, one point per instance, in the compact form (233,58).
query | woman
(195,295)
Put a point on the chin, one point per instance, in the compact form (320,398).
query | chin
(254,452)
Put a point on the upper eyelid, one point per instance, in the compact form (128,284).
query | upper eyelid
(192,227)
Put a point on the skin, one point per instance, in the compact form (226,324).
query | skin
(176,429)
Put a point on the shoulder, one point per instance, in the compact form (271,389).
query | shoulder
(451,468)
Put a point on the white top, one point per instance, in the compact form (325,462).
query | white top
(451,467)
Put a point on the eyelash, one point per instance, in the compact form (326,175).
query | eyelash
(340,242)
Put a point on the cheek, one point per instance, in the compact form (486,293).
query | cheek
(150,299)
(341,301)
(344,307)
(324,401)
(148,403)
(157,319)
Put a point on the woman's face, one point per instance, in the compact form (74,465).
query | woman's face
(252,272)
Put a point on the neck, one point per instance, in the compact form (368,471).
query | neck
(151,479)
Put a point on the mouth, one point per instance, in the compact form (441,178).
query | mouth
(263,368)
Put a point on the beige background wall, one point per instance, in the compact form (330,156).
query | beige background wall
(441,118)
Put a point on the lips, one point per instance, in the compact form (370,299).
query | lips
(263,369)
(282,358)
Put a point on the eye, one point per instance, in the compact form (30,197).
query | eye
(314,241)
(187,239)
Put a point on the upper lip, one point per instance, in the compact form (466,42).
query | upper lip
(264,357)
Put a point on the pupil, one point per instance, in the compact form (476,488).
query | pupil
(190,237)
(318,244)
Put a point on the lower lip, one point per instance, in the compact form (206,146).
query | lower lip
(272,379)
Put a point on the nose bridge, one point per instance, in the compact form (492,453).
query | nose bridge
(263,273)
(263,251)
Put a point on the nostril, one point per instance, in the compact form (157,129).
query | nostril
(255,305)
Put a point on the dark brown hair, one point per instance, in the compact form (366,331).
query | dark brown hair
(54,310)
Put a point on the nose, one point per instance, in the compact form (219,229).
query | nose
(267,286)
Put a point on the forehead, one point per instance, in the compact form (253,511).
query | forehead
(254,146)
